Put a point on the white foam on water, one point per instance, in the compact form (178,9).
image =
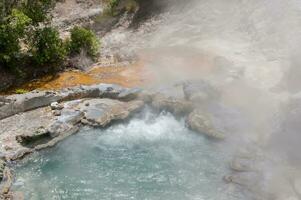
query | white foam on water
(151,157)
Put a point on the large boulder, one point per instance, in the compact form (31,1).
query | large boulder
(200,91)
(170,104)
(101,112)
(202,123)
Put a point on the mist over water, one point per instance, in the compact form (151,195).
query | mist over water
(249,50)
(151,157)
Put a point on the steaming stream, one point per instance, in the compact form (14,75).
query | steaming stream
(151,157)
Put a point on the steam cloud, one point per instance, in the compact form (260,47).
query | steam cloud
(250,50)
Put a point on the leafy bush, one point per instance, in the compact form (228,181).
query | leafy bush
(111,7)
(48,47)
(9,45)
(117,7)
(38,10)
(18,22)
(84,40)
(113,4)
(27,40)
(10,34)
(131,6)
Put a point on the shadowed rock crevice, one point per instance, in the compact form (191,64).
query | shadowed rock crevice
(30,141)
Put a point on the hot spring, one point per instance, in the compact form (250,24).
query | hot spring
(153,156)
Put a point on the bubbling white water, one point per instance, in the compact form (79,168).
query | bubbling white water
(151,157)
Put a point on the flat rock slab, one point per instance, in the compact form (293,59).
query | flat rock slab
(26,127)
(22,124)
(14,104)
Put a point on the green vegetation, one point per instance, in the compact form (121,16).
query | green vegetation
(21,91)
(37,10)
(112,4)
(48,47)
(27,39)
(84,40)
(131,6)
(116,7)
(11,32)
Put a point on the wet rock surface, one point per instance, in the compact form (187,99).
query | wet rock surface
(36,118)
(15,104)
(170,104)
(202,122)
(200,91)
(40,119)
(101,112)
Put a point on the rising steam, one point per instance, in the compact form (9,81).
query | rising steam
(249,50)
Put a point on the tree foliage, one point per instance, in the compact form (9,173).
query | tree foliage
(48,47)
(10,34)
(27,38)
(84,40)
(37,10)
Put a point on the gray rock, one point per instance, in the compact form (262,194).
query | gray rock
(57,128)
(246,179)
(240,164)
(199,91)
(70,116)
(146,96)
(2,166)
(56,106)
(24,102)
(57,113)
(40,136)
(102,112)
(175,106)
(202,123)
(129,94)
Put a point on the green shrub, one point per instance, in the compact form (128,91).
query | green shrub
(11,31)
(48,48)
(131,6)
(38,10)
(111,7)
(18,22)
(84,40)
(117,7)
(9,45)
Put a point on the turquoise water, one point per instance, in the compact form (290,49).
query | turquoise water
(152,157)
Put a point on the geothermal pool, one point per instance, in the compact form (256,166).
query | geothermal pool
(153,156)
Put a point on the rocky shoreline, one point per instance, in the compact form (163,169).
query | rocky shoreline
(40,119)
